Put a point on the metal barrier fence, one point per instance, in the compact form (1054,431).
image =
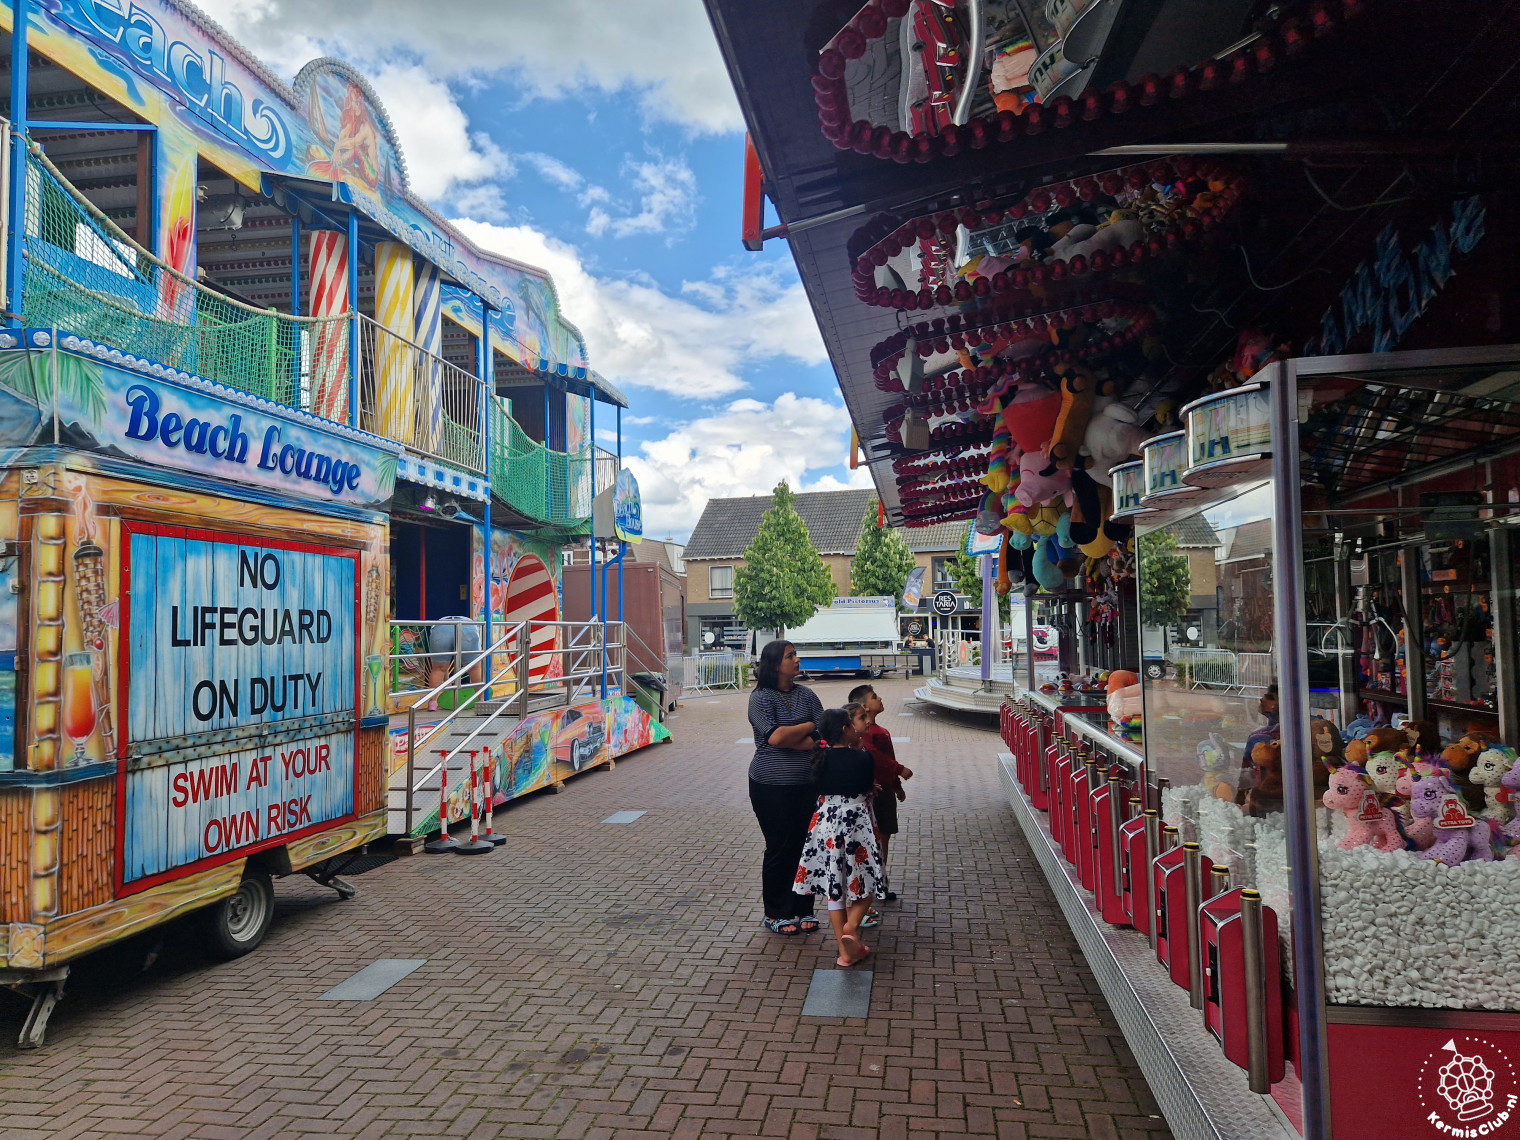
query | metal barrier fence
(707,672)
(1222,668)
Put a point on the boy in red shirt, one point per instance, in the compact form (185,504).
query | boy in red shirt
(889,773)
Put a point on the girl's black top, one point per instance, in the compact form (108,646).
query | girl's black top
(845,772)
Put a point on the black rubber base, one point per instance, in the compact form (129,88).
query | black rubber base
(493,839)
(440,846)
(474,847)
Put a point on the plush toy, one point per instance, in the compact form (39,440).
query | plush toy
(1113,436)
(1047,558)
(996,479)
(1030,417)
(1124,695)
(1328,751)
(1002,583)
(1458,836)
(1423,738)
(1369,821)
(1035,486)
(1378,740)
(1265,795)
(1458,758)
(1215,761)
(1488,773)
(1079,388)
(1511,830)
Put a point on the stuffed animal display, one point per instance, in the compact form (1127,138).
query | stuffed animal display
(1458,836)
(1368,821)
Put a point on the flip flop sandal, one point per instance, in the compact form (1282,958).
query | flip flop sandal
(848,945)
(779,926)
(807,923)
(872,919)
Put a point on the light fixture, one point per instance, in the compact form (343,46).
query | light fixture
(428,504)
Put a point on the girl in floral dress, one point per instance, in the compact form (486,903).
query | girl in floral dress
(840,859)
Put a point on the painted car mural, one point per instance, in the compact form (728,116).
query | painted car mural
(543,750)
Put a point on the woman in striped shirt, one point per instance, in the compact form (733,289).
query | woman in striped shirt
(784,716)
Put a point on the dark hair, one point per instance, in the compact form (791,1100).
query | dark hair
(831,725)
(768,668)
(860,692)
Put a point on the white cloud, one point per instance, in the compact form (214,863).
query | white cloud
(668,197)
(660,52)
(551,169)
(745,449)
(694,346)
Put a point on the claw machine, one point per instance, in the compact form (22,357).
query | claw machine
(1345,747)
(191,582)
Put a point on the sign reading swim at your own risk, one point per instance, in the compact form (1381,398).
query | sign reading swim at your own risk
(240,698)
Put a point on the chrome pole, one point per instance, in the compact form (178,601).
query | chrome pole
(1192,882)
(1152,849)
(411,768)
(1219,881)
(1162,784)
(1253,971)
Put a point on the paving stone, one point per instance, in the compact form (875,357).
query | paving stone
(590,982)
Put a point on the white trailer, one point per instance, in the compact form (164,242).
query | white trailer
(853,635)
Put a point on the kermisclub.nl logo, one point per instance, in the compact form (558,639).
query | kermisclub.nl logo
(1468,1088)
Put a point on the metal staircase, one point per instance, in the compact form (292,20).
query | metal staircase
(487,696)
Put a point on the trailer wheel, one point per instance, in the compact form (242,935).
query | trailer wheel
(875,674)
(239,922)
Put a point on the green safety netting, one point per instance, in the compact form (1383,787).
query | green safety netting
(85,276)
(552,486)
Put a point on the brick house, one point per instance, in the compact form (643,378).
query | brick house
(727,526)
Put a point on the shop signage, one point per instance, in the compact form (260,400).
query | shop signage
(978,543)
(913,588)
(944,603)
(168,423)
(1129,487)
(227,633)
(1229,436)
(1388,294)
(1458,1080)
(212,807)
(627,508)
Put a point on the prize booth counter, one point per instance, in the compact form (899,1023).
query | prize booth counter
(1300,893)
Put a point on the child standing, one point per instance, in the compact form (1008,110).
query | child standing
(877,741)
(840,859)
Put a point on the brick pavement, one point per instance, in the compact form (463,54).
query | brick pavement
(593,981)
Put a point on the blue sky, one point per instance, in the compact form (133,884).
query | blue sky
(621,176)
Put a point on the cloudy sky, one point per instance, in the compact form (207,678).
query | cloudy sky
(600,139)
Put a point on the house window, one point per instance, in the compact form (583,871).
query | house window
(720,581)
(941,574)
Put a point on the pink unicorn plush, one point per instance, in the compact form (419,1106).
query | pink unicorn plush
(1370,822)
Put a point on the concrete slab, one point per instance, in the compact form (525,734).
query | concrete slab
(372,981)
(839,993)
(623,817)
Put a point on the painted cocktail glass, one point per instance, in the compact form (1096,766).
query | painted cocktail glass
(78,701)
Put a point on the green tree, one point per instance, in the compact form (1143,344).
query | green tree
(966,573)
(783,580)
(882,560)
(1166,582)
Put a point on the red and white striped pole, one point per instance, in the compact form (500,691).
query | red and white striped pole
(444,842)
(490,802)
(476,846)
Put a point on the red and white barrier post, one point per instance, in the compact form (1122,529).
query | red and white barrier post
(476,845)
(445,842)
